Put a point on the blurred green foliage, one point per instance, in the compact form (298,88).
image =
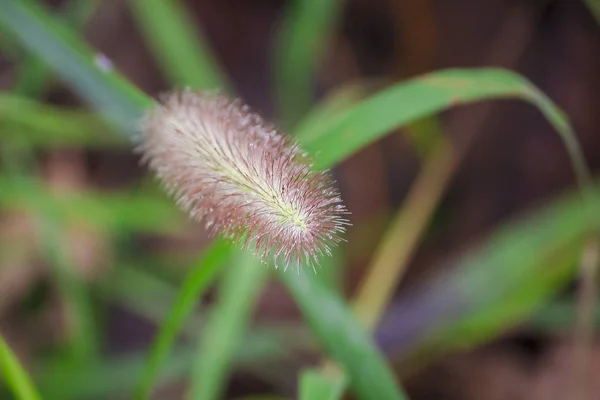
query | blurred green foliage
(525,263)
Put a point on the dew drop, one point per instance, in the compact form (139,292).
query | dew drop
(103,63)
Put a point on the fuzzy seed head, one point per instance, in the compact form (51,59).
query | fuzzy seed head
(242,178)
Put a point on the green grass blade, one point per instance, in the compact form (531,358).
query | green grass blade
(198,280)
(335,136)
(33,75)
(558,317)
(180,50)
(338,332)
(79,12)
(424,133)
(32,78)
(226,326)
(338,136)
(306,26)
(594,7)
(149,296)
(36,124)
(110,377)
(74,62)
(124,212)
(15,375)
(562,125)
(314,386)
(83,341)
(513,274)
(140,291)
(335,102)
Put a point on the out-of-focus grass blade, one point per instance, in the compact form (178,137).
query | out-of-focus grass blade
(124,211)
(558,317)
(338,100)
(306,28)
(33,75)
(83,337)
(139,211)
(423,132)
(496,286)
(178,47)
(331,270)
(89,72)
(149,296)
(338,136)
(106,379)
(32,78)
(41,125)
(345,341)
(262,397)
(594,6)
(315,386)
(200,277)
(112,377)
(138,290)
(15,375)
(78,12)
(226,325)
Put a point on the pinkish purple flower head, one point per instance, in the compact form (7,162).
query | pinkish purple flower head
(241,177)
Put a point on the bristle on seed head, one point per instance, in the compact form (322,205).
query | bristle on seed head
(245,180)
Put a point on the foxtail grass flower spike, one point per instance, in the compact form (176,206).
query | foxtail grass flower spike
(242,178)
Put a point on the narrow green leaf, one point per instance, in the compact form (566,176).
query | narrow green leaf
(41,125)
(138,211)
(177,45)
(226,326)
(339,333)
(558,317)
(424,133)
(314,386)
(112,377)
(138,290)
(300,43)
(83,335)
(89,72)
(33,75)
(198,280)
(79,12)
(149,296)
(336,137)
(108,378)
(262,397)
(493,287)
(340,99)
(594,6)
(15,375)
(32,78)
